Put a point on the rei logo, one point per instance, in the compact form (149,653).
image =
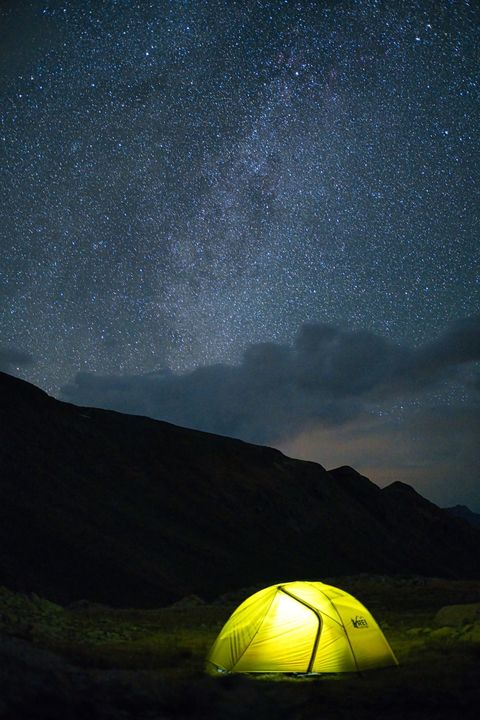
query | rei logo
(359,622)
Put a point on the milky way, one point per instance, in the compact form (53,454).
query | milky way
(180,179)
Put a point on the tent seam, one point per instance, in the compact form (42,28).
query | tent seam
(344,630)
(254,634)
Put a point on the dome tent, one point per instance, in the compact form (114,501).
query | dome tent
(300,627)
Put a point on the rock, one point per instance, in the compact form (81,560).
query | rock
(456,615)
(188,602)
(471,633)
(443,633)
(414,632)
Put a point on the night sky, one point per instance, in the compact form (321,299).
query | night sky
(255,218)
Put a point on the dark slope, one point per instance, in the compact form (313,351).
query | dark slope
(462,511)
(130,511)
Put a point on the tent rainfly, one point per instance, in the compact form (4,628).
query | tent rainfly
(300,627)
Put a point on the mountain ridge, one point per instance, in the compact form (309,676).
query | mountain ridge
(462,511)
(127,510)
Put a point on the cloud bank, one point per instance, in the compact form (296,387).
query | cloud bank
(12,359)
(326,377)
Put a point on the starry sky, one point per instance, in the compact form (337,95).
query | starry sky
(259,218)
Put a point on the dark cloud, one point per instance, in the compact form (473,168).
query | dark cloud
(460,344)
(328,376)
(12,359)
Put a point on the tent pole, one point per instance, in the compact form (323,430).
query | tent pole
(319,619)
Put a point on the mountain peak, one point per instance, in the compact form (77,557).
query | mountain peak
(401,487)
(345,470)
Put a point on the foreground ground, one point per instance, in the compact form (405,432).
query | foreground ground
(98,662)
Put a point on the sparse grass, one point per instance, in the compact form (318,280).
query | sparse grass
(166,639)
(183,650)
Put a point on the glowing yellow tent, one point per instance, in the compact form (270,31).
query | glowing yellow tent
(300,627)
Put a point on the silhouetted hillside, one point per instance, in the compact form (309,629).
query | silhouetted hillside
(130,511)
(464,512)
